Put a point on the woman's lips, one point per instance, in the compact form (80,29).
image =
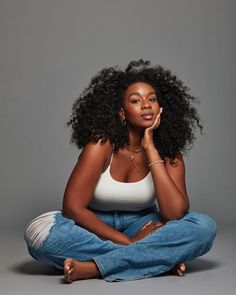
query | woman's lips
(147,116)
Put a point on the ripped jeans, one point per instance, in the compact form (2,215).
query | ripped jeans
(52,238)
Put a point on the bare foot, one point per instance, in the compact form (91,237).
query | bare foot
(179,269)
(75,270)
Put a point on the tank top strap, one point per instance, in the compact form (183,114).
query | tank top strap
(113,148)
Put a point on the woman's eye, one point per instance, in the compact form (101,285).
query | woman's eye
(153,99)
(134,100)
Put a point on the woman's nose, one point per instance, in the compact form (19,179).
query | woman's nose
(146,105)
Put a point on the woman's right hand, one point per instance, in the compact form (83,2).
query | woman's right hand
(146,230)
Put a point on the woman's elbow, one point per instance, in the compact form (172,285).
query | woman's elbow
(68,209)
(176,215)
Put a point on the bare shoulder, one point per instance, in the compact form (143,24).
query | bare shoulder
(96,152)
(83,179)
(176,164)
(90,165)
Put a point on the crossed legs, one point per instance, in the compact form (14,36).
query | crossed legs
(75,270)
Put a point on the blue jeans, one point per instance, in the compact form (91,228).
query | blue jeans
(177,241)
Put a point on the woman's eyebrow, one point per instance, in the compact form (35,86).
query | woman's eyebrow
(152,92)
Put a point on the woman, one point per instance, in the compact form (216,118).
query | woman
(125,212)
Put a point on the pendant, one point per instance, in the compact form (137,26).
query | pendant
(131,154)
(132,160)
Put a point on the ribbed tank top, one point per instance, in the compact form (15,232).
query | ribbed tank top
(112,195)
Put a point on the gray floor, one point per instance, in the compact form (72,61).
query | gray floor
(213,273)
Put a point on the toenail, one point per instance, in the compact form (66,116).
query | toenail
(182,267)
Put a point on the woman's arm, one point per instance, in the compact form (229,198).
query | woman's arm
(80,188)
(169,181)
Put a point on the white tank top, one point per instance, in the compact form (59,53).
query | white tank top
(110,194)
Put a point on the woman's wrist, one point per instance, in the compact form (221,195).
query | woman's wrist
(121,239)
(153,155)
(150,148)
(132,240)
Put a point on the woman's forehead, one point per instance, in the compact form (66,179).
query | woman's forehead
(139,88)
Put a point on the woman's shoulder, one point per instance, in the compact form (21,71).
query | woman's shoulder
(173,162)
(100,146)
(95,151)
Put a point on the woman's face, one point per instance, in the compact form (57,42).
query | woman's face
(140,105)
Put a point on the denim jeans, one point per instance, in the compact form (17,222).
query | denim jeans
(177,241)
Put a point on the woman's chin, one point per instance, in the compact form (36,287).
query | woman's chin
(147,123)
(143,126)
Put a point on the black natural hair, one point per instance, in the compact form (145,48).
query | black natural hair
(95,113)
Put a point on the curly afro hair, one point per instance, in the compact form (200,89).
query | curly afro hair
(95,113)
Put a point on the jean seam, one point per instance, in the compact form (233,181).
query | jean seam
(111,278)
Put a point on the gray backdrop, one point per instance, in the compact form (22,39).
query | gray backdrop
(50,50)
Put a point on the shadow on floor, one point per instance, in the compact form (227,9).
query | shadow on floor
(197,265)
(201,264)
(36,268)
(39,268)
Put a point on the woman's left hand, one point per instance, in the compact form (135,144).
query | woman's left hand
(147,139)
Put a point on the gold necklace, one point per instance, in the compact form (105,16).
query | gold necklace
(131,154)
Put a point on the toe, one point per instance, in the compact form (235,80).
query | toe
(182,267)
(179,269)
(179,273)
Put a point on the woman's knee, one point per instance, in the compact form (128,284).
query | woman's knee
(205,227)
(38,229)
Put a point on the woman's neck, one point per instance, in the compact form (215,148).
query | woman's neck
(135,138)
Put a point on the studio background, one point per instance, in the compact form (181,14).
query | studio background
(49,52)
